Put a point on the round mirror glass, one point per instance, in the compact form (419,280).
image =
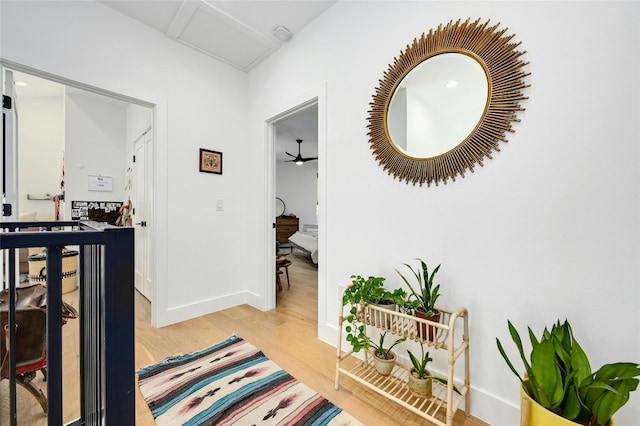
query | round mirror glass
(437,105)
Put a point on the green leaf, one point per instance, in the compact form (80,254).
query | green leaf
(444,381)
(619,370)
(580,362)
(516,339)
(611,402)
(546,374)
(572,404)
(506,358)
(532,337)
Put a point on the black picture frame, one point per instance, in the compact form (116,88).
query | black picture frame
(210,161)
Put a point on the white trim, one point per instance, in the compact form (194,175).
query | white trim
(73,83)
(160,251)
(316,94)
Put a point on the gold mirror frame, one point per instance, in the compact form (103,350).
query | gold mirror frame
(500,61)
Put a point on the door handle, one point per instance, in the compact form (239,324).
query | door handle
(143,223)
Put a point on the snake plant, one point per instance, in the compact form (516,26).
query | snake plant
(378,348)
(425,294)
(558,376)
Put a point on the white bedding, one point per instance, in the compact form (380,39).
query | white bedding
(308,242)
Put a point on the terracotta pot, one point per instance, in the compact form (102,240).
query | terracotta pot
(420,387)
(384,366)
(427,332)
(534,414)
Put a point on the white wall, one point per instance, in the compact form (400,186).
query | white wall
(297,187)
(200,261)
(40,153)
(548,229)
(95,145)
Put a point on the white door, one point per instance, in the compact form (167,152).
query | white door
(142,217)
(8,160)
(8,153)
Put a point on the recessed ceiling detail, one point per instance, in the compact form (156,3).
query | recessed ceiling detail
(213,32)
(239,33)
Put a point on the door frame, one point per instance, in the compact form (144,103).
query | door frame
(158,106)
(314,95)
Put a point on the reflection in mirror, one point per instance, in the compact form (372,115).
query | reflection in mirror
(437,105)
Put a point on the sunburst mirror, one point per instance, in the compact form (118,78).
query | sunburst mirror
(446,102)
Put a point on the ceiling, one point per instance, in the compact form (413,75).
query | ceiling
(301,125)
(237,32)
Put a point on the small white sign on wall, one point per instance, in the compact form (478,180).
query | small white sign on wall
(100,183)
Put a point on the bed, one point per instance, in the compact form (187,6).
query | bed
(306,241)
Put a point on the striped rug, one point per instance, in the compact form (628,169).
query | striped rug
(232,383)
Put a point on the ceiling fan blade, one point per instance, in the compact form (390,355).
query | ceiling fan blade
(309,159)
(290,154)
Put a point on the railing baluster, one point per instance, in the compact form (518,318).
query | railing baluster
(12,336)
(54,335)
(107,361)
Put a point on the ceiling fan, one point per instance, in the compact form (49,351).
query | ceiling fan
(299,159)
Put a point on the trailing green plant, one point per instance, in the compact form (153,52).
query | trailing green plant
(364,290)
(558,376)
(420,367)
(397,296)
(357,295)
(426,294)
(378,348)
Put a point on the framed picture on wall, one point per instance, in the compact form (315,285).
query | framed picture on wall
(210,161)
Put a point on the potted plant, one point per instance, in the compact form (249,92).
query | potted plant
(383,358)
(424,298)
(358,295)
(420,379)
(560,385)
(389,301)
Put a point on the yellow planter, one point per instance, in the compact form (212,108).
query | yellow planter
(534,414)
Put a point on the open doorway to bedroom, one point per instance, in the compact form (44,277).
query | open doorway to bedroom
(296,191)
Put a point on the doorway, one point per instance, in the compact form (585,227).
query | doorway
(314,97)
(72,133)
(296,188)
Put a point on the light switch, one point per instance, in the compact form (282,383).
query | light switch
(220,205)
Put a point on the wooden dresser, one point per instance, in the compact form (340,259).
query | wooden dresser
(285,227)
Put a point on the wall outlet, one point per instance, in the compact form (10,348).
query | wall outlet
(219,205)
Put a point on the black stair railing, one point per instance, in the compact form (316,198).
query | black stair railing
(106,307)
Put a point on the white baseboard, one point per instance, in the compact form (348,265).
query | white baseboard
(185,312)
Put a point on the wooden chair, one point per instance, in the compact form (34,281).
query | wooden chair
(282,262)
(30,349)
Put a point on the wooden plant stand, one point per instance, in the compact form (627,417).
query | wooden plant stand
(451,335)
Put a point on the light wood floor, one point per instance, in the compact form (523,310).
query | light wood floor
(287,335)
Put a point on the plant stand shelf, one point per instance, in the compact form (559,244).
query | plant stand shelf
(451,334)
